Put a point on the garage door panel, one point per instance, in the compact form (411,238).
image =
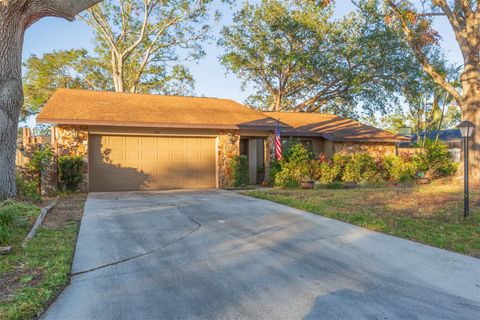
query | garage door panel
(147,163)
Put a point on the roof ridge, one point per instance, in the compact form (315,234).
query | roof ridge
(143,94)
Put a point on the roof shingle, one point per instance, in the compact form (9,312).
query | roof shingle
(332,127)
(68,106)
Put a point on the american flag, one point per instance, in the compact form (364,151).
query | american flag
(278,142)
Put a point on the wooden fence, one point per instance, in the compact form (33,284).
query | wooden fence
(23,143)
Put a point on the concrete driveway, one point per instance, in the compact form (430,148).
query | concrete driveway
(219,255)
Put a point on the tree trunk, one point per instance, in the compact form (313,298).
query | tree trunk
(278,102)
(471,109)
(117,68)
(11,98)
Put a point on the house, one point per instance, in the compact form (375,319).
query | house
(451,137)
(331,134)
(149,142)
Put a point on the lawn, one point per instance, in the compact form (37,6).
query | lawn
(30,278)
(431,214)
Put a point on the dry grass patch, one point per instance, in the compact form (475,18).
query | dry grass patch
(431,214)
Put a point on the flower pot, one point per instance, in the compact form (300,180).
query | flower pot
(422,180)
(350,185)
(307,184)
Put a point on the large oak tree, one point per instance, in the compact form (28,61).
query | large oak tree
(416,22)
(298,57)
(145,41)
(16,16)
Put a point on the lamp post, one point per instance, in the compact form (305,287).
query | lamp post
(466,130)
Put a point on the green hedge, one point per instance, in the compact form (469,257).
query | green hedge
(240,171)
(433,161)
(70,171)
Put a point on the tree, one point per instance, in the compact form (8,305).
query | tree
(15,17)
(141,39)
(299,58)
(416,22)
(74,69)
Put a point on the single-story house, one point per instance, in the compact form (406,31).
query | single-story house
(149,142)
(331,134)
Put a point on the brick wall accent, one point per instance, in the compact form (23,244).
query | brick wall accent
(372,148)
(228,142)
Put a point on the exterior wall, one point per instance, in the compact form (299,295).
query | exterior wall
(269,154)
(252,161)
(372,148)
(73,140)
(328,148)
(228,146)
(318,146)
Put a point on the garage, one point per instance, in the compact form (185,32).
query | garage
(125,163)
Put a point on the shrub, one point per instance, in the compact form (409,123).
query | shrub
(295,166)
(361,167)
(240,171)
(40,156)
(274,168)
(350,172)
(328,172)
(398,170)
(435,160)
(28,179)
(28,189)
(70,171)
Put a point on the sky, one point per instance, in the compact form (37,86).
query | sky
(211,79)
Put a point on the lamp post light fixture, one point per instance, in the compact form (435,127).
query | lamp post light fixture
(466,131)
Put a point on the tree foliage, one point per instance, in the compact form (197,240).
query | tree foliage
(139,46)
(141,39)
(74,69)
(298,57)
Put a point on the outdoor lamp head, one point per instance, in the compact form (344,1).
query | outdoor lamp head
(466,129)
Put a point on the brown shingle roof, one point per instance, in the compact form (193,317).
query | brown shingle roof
(124,109)
(332,127)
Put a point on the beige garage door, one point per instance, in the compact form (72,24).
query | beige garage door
(121,163)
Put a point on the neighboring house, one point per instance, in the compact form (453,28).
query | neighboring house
(451,137)
(142,142)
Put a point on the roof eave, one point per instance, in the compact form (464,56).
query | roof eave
(153,124)
(134,124)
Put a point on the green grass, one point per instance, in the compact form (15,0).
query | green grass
(16,219)
(431,214)
(39,271)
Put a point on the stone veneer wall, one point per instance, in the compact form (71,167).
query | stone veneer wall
(372,148)
(228,146)
(269,154)
(73,141)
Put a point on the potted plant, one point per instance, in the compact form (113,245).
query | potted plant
(422,178)
(307,183)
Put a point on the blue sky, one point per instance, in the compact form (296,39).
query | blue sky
(211,79)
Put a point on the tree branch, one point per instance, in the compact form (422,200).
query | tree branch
(417,50)
(67,9)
